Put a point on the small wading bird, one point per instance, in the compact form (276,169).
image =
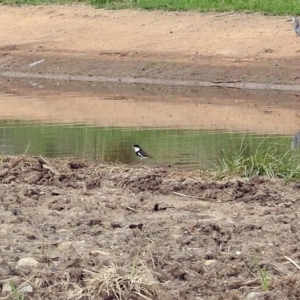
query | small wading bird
(140,152)
(296,141)
(296,25)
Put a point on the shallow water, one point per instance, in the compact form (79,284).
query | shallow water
(176,147)
(179,126)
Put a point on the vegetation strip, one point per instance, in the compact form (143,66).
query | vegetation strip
(275,7)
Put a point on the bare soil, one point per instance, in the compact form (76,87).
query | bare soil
(216,47)
(195,237)
(198,237)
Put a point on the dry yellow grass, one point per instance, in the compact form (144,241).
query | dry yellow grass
(114,282)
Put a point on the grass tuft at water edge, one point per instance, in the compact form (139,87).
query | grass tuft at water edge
(265,160)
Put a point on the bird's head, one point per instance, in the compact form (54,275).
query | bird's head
(295,20)
(136,148)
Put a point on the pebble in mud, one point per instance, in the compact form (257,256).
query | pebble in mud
(3,232)
(26,289)
(27,262)
(33,177)
(253,296)
(65,246)
(7,288)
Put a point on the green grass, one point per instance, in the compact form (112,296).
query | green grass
(262,272)
(266,158)
(16,295)
(278,7)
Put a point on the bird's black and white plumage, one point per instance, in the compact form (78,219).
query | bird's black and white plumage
(140,152)
(296,26)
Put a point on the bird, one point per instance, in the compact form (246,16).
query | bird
(296,141)
(140,152)
(296,25)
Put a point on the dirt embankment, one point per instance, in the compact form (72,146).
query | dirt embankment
(186,45)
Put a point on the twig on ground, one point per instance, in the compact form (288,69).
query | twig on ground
(130,208)
(293,262)
(188,196)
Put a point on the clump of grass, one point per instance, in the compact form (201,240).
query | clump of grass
(16,295)
(265,283)
(267,6)
(277,7)
(121,282)
(265,160)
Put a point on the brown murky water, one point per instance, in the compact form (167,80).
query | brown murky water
(186,126)
(144,105)
(145,70)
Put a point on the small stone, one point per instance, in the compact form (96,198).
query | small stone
(253,296)
(27,262)
(209,262)
(6,288)
(33,177)
(65,245)
(26,289)
(3,232)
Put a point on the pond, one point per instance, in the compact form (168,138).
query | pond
(178,126)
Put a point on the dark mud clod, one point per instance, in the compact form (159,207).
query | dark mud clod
(139,226)
(157,208)
(94,222)
(74,165)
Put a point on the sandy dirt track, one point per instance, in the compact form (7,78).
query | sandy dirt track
(217,47)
